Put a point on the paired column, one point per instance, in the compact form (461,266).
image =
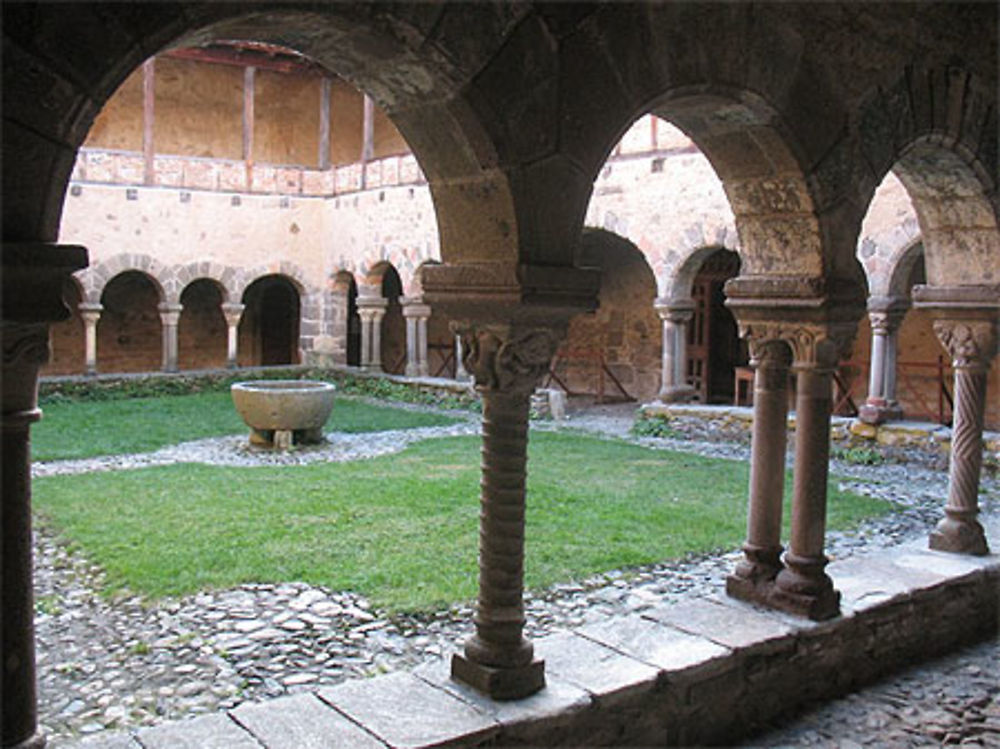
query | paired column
(972,344)
(91,314)
(233,312)
(32,277)
(416,315)
(752,577)
(885,315)
(170,315)
(675,316)
(371,310)
(507,362)
(461,373)
(798,582)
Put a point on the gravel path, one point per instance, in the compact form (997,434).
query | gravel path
(112,662)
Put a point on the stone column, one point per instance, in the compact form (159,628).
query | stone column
(416,314)
(371,310)
(461,374)
(233,312)
(32,277)
(803,587)
(170,315)
(507,363)
(676,314)
(752,577)
(91,314)
(885,315)
(972,344)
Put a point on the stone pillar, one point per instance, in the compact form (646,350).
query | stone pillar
(461,374)
(371,310)
(885,315)
(416,314)
(91,314)
(170,315)
(32,277)
(972,344)
(507,363)
(676,314)
(752,577)
(803,587)
(233,311)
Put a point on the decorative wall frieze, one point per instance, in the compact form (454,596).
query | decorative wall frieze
(506,357)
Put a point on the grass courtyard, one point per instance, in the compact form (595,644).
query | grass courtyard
(401,529)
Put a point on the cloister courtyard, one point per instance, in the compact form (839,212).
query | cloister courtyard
(202,573)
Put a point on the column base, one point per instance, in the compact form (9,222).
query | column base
(499,683)
(879,412)
(35,741)
(753,577)
(676,394)
(959,536)
(804,589)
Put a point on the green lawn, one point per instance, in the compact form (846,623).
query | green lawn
(84,429)
(402,529)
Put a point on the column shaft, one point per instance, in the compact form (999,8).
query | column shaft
(170,317)
(412,365)
(423,366)
(767,476)
(91,315)
(803,587)
(960,531)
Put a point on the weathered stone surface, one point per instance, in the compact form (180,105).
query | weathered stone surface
(302,722)
(864,583)
(606,673)
(110,740)
(730,623)
(405,711)
(208,732)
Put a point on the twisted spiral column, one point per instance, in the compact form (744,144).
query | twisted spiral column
(507,364)
(960,531)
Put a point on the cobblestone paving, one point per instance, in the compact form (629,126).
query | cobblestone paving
(113,662)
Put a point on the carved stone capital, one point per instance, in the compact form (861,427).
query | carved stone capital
(971,344)
(233,311)
(813,345)
(414,306)
(674,310)
(886,313)
(507,358)
(25,350)
(170,314)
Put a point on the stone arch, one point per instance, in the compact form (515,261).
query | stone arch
(889,229)
(622,336)
(201,327)
(904,264)
(345,321)
(95,278)
(221,275)
(935,127)
(393,334)
(129,330)
(413,73)
(270,329)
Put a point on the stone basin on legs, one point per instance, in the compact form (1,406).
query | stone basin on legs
(281,413)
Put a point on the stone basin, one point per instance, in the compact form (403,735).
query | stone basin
(281,413)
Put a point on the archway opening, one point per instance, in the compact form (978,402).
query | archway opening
(201,331)
(269,328)
(613,353)
(714,349)
(129,337)
(393,324)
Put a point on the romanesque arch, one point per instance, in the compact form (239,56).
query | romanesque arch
(66,339)
(269,327)
(346,322)
(129,334)
(202,329)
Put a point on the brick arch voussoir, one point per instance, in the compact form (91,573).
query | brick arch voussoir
(105,271)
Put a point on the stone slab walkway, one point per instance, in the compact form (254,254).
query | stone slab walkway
(685,673)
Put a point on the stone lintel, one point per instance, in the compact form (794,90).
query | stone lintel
(405,711)
(33,274)
(958,299)
(493,292)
